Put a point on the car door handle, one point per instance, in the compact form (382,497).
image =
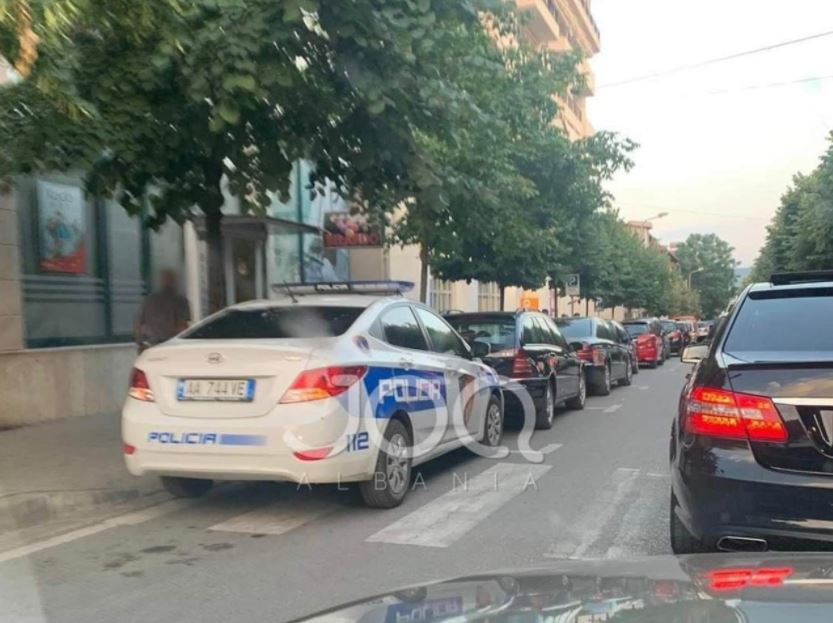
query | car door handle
(406,363)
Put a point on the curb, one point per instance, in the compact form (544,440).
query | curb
(24,510)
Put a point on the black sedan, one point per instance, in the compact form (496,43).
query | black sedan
(527,348)
(606,351)
(752,444)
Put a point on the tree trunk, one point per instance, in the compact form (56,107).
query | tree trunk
(502,297)
(423,274)
(215,264)
(586,307)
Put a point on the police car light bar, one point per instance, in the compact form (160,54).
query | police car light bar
(344,287)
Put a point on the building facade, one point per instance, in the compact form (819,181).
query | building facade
(74,270)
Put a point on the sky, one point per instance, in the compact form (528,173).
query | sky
(716,150)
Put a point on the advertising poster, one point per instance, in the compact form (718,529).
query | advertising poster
(342,229)
(62,228)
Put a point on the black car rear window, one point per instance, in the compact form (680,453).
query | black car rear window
(277,322)
(636,329)
(497,331)
(782,321)
(576,327)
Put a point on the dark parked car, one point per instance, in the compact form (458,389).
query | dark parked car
(673,336)
(752,443)
(625,338)
(647,337)
(597,342)
(528,348)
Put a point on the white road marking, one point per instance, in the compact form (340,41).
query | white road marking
(128,519)
(589,527)
(276,518)
(449,517)
(608,409)
(630,535)
(642,388)
(548,449)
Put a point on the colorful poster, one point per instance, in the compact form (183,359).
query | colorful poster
(342,229)
(62,228)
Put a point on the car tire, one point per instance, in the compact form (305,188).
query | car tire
(682,541)
(544,419)
(186,487)
(392,474)
(627,380)
(493,423)
(603,387)
(577,403)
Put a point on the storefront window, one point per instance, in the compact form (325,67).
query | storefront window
(85,263)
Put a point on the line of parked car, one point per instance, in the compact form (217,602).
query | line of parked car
(561,361)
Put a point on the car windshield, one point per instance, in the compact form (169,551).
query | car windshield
(276,322)
(668,325)
(578,327)
(636,329)
(795,324)
(497,331)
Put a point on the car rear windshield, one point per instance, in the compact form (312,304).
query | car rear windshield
(636,329)
(797,321)
(497,331)
(277,322)
(669,325)
(576,327)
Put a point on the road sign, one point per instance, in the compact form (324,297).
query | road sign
(572,285)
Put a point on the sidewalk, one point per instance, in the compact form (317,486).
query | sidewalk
(65,473)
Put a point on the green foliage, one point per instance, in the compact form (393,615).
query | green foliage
(401,104)
(800,236)
(715,280)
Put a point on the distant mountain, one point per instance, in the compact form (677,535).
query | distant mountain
(741,272)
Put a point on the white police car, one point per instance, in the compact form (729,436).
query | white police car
(327,384)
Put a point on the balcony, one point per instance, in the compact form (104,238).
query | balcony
(542,27)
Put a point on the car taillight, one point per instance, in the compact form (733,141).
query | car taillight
(323,383)
(721,413)
(736,579)
(592,355)
(585,352)
(522,367)
(139,386)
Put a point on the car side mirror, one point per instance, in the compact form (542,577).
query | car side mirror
(695,354)
(480,349)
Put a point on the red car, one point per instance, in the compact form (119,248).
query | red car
(648,341)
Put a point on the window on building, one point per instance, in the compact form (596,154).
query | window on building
(488,297)
(441,295)
(85,263)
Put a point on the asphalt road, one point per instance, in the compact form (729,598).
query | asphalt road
(272,552)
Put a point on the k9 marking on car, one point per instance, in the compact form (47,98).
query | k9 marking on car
(322,384)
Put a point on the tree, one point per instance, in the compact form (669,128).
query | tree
(188,97)
(709,261)
(516,195)
(799,236)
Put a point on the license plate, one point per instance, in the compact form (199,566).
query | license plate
(219,390)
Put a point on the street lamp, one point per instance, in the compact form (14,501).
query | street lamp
(656,216)
(692,273)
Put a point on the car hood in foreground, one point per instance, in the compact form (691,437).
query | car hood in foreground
(711,588)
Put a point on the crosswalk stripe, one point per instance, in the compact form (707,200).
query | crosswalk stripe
(277,518)
(444,520)
(589,527)
(629,537)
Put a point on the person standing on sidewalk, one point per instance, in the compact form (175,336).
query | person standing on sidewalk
(163,314)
